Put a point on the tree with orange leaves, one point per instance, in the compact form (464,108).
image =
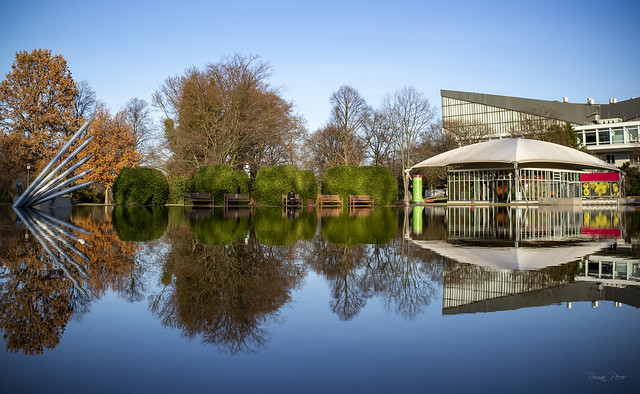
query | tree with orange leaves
(36,112)
(113,148)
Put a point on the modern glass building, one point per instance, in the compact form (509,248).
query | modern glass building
(607,130)
(615,142)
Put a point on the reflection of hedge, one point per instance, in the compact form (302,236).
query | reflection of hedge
(378,182)
(144,186)
(218,179)
(216,230)
(378,228)
(272,228)
(273,181)
(178,186)
(140,223)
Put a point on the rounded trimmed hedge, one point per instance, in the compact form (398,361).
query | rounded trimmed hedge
(178,186)
(378,182)
(273,181)
(140,185)
(217,179)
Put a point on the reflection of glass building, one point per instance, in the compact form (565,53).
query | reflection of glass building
(608,130)
(472,289)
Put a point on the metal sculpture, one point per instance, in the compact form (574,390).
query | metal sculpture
(47,185)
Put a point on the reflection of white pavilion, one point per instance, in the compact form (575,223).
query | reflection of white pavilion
(513,258)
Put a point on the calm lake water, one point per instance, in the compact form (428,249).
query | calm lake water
(434,299)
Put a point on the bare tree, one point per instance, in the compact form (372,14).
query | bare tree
(139,119)
(409,114)
(379,138)
(436,141)
(322,149)
(85,102)
(349,114)
(467,132)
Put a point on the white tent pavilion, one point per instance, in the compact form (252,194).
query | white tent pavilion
(516,170)
(519,151)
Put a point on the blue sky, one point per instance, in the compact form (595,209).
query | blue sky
(543,49)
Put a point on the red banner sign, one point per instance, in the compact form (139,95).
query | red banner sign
(600,177)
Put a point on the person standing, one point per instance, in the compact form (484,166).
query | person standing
(19,186)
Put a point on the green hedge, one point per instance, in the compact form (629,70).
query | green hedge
(217,179)
(242,181)
(271,228)
(144,186)
(178,186)
(378,182)
(273,181)
(140,223)
(377,228)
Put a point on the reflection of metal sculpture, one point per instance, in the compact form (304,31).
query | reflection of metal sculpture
(45,187)
(54,236)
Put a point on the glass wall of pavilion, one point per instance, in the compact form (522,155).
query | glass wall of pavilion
(507,185)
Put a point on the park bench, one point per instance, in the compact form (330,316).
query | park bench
(296,202)
(235,198)
(198,199)
(356,201)
(329,200)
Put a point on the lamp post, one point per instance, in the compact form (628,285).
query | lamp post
(28,168)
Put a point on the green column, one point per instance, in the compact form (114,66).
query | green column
(417,188)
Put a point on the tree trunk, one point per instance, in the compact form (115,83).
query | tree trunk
(106,196)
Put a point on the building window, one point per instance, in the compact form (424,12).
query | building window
(611,159)
(590,137)
(618,136)
(604,136)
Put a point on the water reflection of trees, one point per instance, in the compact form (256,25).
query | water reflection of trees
(113,264)
(34,305)
(38,296)
(225,294)
(404,277)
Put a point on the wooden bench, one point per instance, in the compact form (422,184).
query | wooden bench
(236,198)
(356,201)
(295,203)
(329,200)
(198,199)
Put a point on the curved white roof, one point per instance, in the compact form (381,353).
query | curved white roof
(517,150)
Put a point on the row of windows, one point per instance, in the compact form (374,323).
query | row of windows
(608,136)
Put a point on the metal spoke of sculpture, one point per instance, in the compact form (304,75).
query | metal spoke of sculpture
(47,185)
(58,241)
